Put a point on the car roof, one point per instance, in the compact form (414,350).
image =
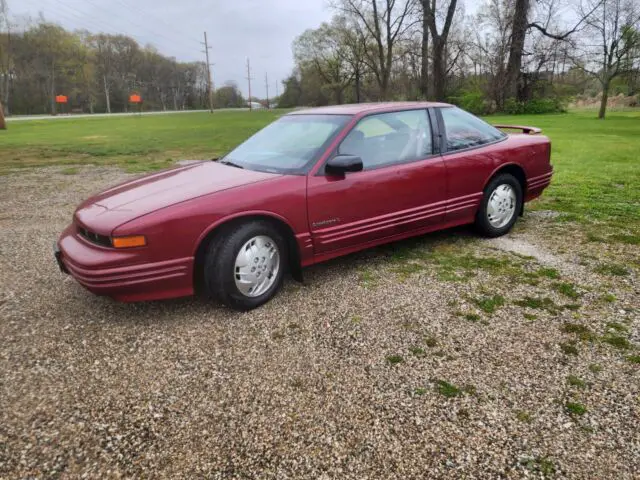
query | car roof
(363,108)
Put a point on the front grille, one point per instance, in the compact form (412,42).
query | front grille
(93,237)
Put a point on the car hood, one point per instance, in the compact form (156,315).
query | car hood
(149,193)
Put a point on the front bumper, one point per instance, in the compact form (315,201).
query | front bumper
(125,275)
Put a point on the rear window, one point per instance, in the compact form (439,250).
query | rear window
(465,130)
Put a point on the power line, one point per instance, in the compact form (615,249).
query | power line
(158,19)
(117,29)
(90,2)
(69,18)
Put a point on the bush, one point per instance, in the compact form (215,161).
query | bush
(535,106)
(472,101)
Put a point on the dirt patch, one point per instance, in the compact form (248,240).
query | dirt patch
(518,244)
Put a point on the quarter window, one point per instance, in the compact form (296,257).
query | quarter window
(465,130)
(389,138)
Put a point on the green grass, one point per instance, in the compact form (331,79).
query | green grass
(417,351)
(608,298)
(612,269)
(394,359)
(595,368)
(596,180)
(136,143)
(596,177)
(548,272)
(472,317)
(538,303)
(447,389)
(569,348)
(617,341)
(489,304)
(575,408)
(582,331)
(566,288)
(576,381)
(524,416)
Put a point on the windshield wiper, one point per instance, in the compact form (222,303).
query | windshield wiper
(230,163)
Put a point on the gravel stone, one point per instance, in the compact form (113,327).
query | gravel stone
(301,388)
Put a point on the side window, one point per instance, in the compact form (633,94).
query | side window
(465,130)
(389,138)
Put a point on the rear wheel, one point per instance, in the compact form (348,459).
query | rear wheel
(244,267)
(500,206)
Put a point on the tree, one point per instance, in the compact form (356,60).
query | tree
(229,96)
(3,124)
(323,49)
(611,37)
(6,59)
(516,48)
(521,26)
(439,42)
(384,22)
(356,48)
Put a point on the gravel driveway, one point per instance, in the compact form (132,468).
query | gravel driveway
(448,356)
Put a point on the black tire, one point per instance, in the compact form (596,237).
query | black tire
(482,222)
(219,265)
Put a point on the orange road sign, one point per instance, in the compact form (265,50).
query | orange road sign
(61,99)
(135,98)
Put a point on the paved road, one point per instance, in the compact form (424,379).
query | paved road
(95,115)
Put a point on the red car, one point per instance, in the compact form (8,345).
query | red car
(313,185)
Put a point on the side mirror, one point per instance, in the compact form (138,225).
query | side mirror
(341,164)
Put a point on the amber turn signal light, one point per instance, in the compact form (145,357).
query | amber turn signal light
(129,242)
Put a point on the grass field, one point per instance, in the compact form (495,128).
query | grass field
(446,353)
(597,163)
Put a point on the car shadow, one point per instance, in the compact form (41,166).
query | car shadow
(372,256)
(313,275)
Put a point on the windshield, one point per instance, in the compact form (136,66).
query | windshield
(288,145)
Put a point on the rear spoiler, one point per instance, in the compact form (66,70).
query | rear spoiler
(525,130)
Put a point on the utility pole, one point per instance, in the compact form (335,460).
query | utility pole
(276,89)
(249,80)
(266,84)
(209,92)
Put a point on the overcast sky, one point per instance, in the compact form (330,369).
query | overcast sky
(260,29)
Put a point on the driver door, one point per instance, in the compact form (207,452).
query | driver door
(402,186)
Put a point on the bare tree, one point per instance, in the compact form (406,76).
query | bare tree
(384,21)
(611,37)
(6,60)
(516,49)
(521,26)
(439,42)
(324,50)
(354,53)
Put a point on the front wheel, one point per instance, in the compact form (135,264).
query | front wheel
(501,203)
(244,267)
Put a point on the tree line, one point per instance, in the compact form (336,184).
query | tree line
(97,73)
(510,55)
(515,56)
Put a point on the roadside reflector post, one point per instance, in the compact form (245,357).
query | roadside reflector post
(62,100)
(135,98)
